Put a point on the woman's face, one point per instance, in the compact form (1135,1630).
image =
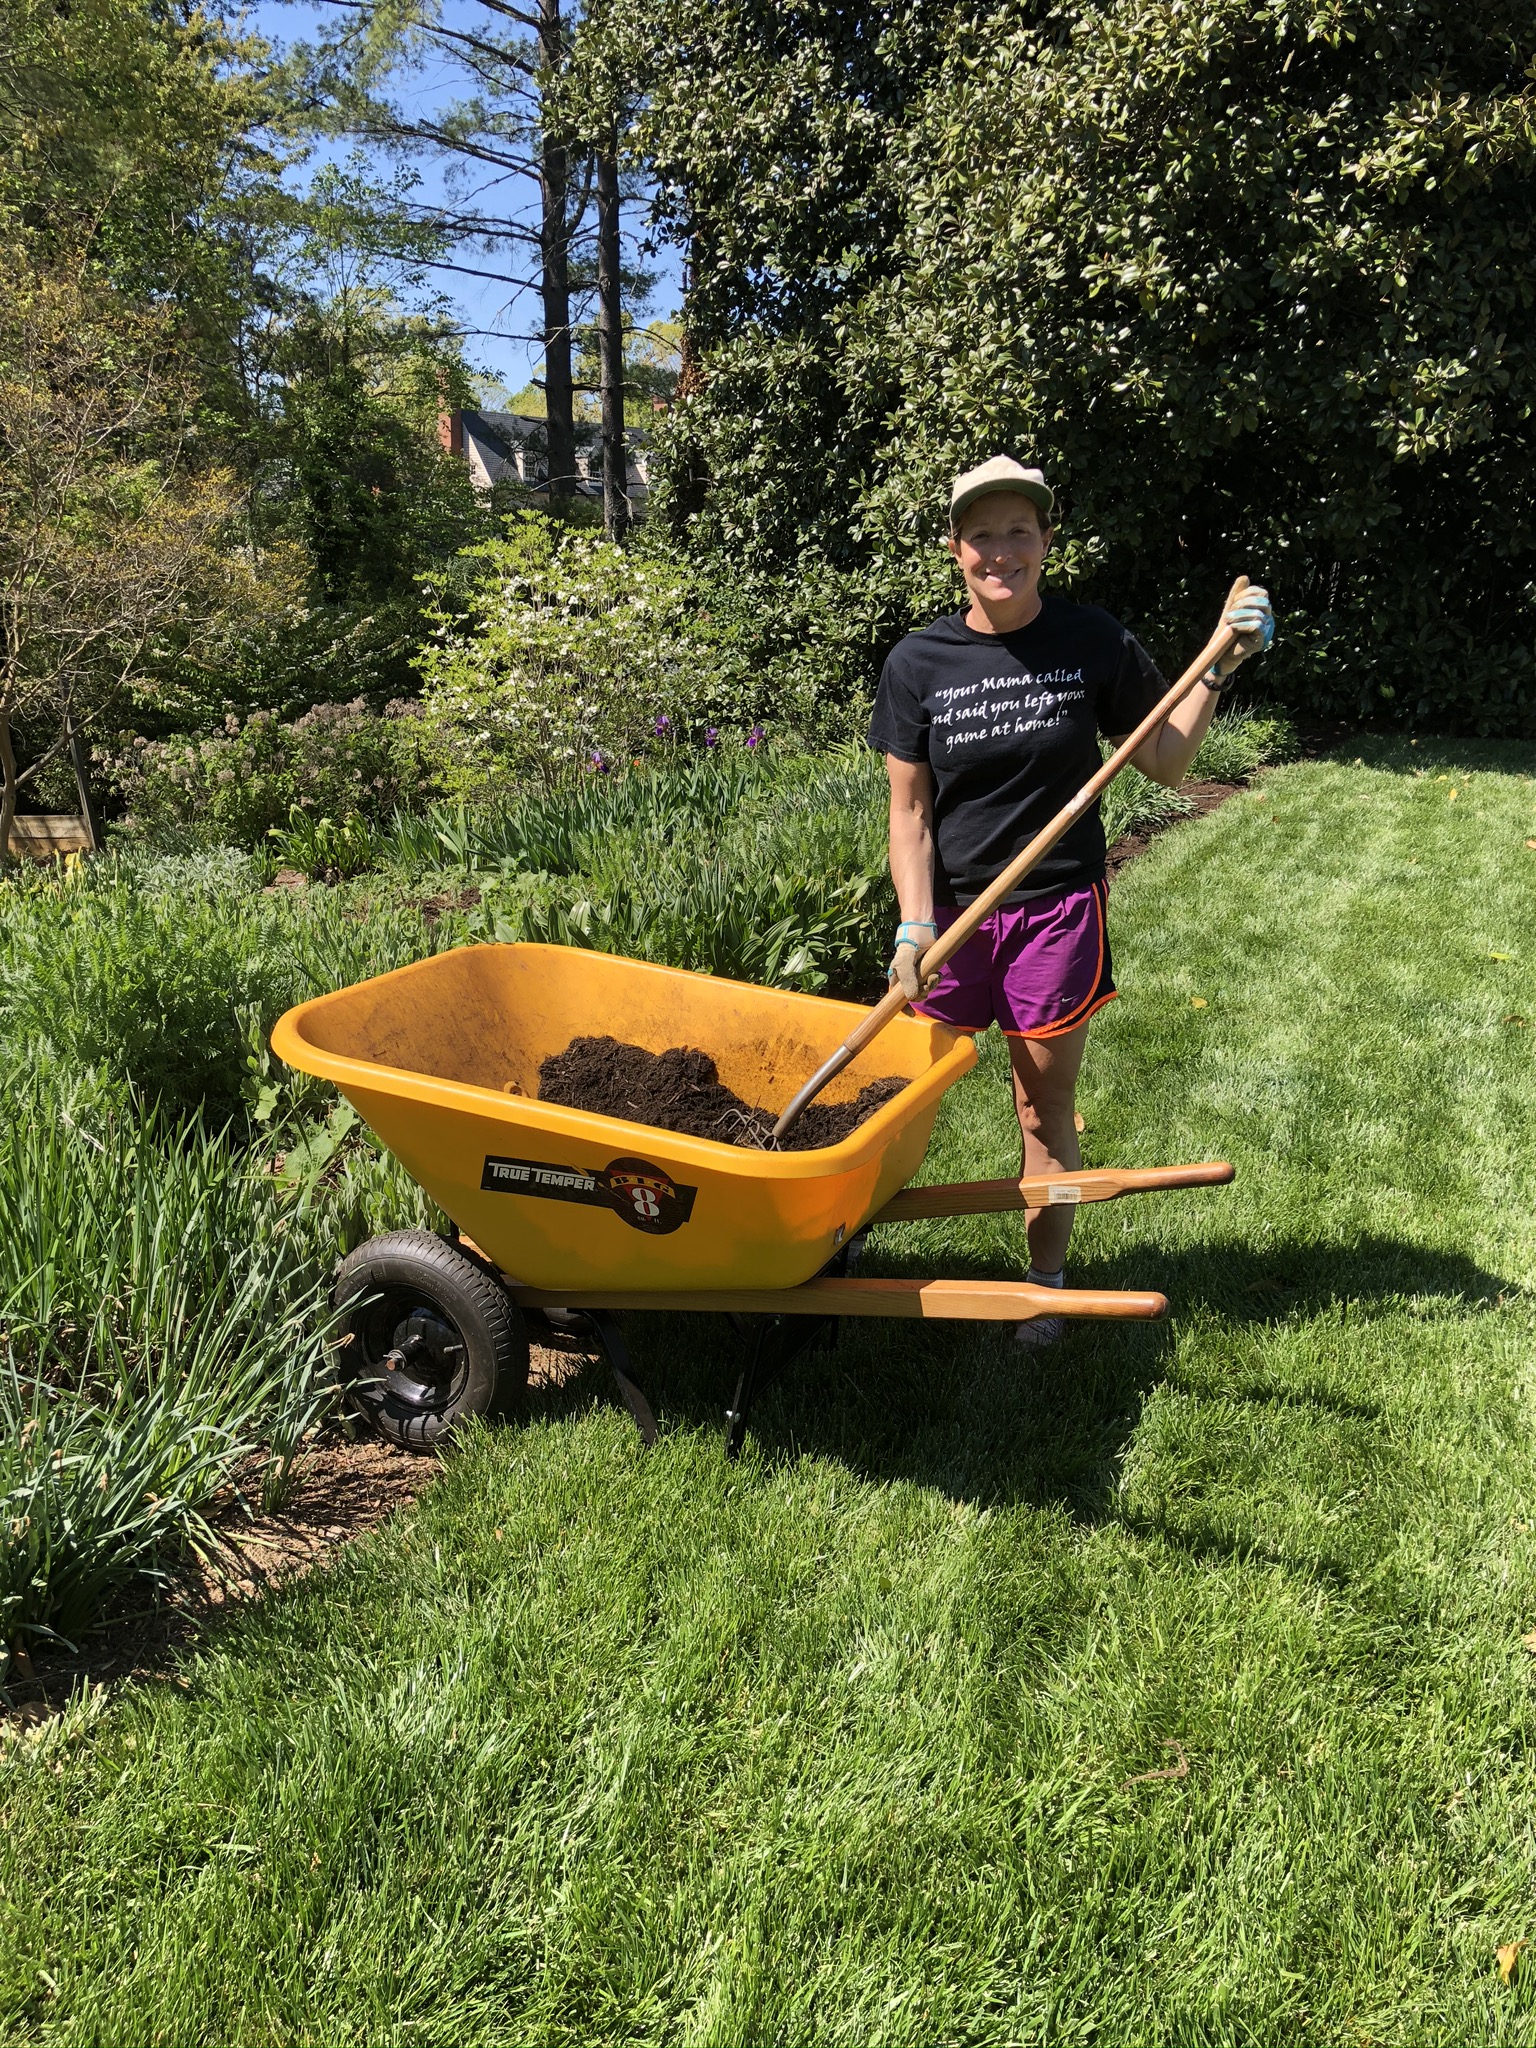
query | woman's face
(1000,547)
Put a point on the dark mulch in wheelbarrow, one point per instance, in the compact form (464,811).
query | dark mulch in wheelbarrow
(681,1090)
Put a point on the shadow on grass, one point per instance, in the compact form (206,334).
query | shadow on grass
(1401,756)
(963,1408)
(1209,1546)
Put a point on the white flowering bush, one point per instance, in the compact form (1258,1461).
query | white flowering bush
(562,650)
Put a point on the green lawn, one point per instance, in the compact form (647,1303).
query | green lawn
(851,1742)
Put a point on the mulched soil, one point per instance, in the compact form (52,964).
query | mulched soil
(680,1090)
(1205,797)
(432,907)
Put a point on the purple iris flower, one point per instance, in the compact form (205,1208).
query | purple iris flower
(663,724)
(600,762)
(756,736)
(712,736)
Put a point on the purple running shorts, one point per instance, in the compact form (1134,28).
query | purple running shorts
(1038,971)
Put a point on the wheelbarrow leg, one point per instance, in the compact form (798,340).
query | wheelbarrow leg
(760,1370)
(616,1351)
(764,1366)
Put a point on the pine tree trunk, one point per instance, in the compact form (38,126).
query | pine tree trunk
(554,252)
(611,350)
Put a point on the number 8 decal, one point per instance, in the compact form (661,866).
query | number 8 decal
(646,1197)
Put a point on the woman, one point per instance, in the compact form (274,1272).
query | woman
(989,722)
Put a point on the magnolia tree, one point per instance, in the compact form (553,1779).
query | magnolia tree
(1251,278)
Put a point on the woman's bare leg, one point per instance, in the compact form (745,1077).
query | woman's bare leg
(1045,1095)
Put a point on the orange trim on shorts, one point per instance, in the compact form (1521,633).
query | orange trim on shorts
(1075,1022)
(1084,1010)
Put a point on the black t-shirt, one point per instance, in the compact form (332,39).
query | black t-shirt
(1008,725)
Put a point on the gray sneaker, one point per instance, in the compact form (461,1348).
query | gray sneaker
(1040,1331)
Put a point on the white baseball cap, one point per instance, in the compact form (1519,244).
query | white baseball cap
(1001,473)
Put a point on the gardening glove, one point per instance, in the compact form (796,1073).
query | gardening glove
(1252,618)
(912,940)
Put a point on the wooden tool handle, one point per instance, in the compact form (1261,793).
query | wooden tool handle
(893,1002)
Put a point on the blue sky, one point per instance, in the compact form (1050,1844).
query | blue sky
(498,329)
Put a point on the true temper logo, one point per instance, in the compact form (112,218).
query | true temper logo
(634,1189)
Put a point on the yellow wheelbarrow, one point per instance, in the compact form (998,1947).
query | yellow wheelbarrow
(563,1215)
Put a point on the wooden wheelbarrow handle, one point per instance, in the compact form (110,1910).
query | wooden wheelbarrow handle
(974,915)
(1051,1191)
(977,1301)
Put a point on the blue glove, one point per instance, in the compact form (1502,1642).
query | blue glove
(1251,618)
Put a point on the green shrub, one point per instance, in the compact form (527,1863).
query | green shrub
(761,870)
(326,849)
(161,1286)
(282,650)
(1237,743)
(1134,803)
(158,1319)
(97,974)
(589,818)
(781,928)
(166,973)
(234,787)
(162,1320)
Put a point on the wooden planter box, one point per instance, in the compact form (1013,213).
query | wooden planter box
(44,836)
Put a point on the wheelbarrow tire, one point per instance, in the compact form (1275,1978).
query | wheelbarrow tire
(425,1336)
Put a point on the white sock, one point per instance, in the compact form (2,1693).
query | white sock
(1038,1279)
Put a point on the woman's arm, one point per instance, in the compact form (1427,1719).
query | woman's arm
(1167,754)
(912,837)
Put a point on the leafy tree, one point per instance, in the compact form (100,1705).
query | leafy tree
(146,140)
(652,358)
(150,135)
(141,123)
(536,188)
(521,194)
(375,497)
(1255,284)
(107,532)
